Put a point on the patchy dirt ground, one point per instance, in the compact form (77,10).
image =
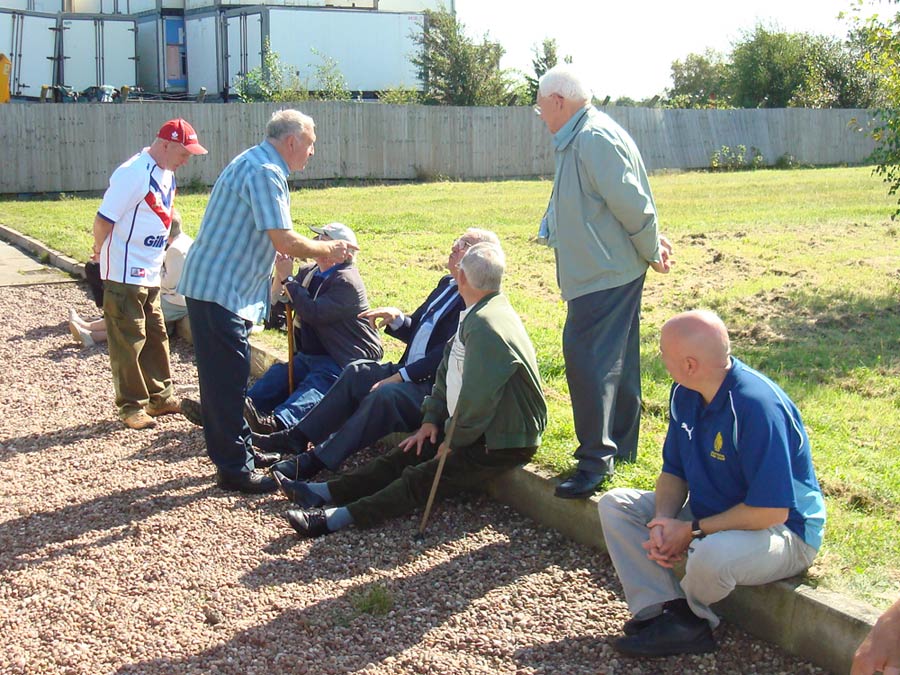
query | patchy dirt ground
(119,555)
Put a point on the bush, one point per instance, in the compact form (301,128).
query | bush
(727,158)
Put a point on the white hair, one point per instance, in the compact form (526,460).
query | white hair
(565,82)
(478,236)
(483,265)
(288,122)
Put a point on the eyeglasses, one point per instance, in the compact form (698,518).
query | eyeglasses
(461,245)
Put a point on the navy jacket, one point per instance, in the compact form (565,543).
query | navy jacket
(424,369)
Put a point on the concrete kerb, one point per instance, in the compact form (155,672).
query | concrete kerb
(815,624)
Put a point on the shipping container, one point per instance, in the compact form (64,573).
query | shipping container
(97,50)
(372,50)
(416,5)
(29,40)
(194,5)
(119,6)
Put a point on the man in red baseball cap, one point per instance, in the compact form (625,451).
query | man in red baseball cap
(131,228)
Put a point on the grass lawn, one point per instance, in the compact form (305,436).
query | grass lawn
(803,266)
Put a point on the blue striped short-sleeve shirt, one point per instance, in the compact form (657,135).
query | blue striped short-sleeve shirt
(231,260)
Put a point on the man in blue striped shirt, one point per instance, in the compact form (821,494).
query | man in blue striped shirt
(226,283)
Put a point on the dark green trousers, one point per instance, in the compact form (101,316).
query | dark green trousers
(138,346)
(399,482)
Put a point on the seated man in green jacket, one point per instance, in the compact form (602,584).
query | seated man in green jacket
(488,382)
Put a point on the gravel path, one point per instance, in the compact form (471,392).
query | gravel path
(119,555)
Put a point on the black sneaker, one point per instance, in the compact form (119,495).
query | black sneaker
(260,424)
(669,634)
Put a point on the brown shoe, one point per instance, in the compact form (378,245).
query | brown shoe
(170,406)
(139,420)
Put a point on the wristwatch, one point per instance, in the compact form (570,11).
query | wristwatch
(289,280)
(696,531)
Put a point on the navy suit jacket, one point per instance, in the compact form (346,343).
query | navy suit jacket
(423,369)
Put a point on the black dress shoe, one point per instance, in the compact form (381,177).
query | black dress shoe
(260,424)
(300,467)
(263,460)
(308,522)
(251,483)
(670,633)
(580,485)
(191,410)
(297,492)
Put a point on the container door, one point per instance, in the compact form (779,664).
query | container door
(245,41)
(80,54)
(117,53)
(148,47)
(36,52)
(47,6)
(202,38)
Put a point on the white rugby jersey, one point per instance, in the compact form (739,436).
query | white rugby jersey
(139,204)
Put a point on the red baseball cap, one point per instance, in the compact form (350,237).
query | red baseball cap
(179,131)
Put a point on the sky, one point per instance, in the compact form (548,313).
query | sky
(626,47)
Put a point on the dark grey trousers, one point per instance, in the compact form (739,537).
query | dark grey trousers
(602,351)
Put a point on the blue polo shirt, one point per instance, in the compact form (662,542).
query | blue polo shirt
(231,260)
(747,446)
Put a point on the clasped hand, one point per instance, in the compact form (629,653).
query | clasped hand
(668,541)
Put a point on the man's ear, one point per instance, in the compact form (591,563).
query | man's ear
(691,365)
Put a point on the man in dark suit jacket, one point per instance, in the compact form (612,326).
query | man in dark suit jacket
(370,399)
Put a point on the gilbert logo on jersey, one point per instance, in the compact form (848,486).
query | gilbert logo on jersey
(138,272)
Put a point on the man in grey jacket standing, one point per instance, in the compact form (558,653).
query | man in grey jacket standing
(602,225)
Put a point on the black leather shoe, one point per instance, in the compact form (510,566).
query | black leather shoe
(260,424)
(263,460)
(251,483)
(191,410)
(297,492)
(308,522)
(300,467)
(579,485)
(671,633)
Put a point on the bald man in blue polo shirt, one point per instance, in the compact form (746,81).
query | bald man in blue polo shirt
(737,496)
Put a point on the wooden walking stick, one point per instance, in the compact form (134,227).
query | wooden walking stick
(443,451)
(289,317)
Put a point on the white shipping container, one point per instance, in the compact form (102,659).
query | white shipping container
(117,6)
(371,49)
(15,5)
(30,42)
(416,5)
(97,50)
(190,5)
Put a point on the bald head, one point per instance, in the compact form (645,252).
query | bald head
(695,349)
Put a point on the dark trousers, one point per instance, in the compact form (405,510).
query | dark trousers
(602,351)
(350,417)
(222,352)
(313,376)
(399,482)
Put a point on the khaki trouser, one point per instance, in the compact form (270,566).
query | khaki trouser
(715,564)
(138,346)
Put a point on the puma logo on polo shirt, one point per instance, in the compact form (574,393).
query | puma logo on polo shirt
(689,430)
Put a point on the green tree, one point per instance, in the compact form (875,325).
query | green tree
(833,76)
(700,80)
(545,57)
(882,61)
(767,68)
(455,70)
